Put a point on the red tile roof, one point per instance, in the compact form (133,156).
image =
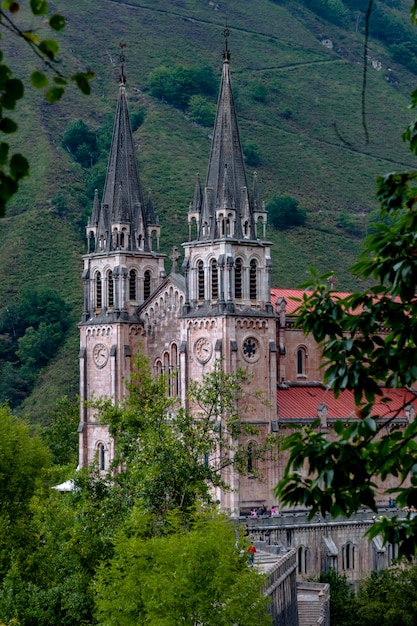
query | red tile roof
(291,295)
(302,402)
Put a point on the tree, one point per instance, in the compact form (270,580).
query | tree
(15,167)
(284,212)
(343,606)
(171,456)
(189,576)
(23,461)
(81,143)
(366,338)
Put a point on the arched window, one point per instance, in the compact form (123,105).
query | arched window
(91,242)
(132,285)
(302,560)
(99,302)
(147,285)
(174,370)
(214,280)
(200,274)
(348,556)
(101,457)
(251,457)
(238,279)
(252,280)
(110,288)
(122,240)
(301,362)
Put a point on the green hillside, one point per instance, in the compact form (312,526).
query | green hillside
(307,126)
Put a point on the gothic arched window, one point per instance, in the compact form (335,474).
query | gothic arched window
(147,285)
(251,457)
(101,457)
(200,275)
(99,302)
(253,280)
(238,279)
(348,556)
(301,362)
(214,280)
(110,288)
(302,560)
(132,285)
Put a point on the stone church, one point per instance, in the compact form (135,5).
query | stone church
(219,307)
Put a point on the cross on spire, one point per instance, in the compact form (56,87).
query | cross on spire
(122,59)
(226,53)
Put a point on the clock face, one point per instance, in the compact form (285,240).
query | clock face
(100,355)
(203,349)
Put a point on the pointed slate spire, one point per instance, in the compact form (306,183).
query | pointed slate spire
(96,209)
(198,196)
(226,154)
(122,189)
(150,211)
(256,198)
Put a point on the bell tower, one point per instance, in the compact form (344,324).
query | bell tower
(227,313)
(121,270)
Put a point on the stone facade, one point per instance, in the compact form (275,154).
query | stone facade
(219,308)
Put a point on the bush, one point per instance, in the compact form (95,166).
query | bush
(259,92)
(284,212)
(81,143)
(201,110)
(174,85)
(350,223)
(252,154)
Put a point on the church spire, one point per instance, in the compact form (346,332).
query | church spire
(122,215)
(226,170)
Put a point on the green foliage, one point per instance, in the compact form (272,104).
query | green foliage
(61,434)
(252,154)
(171,457)
(190,576)
(23,460)
(176,85)
(137,118)
(15,167)
(333,10)
(350,223)
(284,212)
(343,606)
(201,110)
(366,338)
(81,143)
(31,332)
(259,92)
(173,85)
(388,598)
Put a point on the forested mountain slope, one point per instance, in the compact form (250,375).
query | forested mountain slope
(297,70)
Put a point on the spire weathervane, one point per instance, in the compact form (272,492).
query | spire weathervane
(226,53)
(122,61)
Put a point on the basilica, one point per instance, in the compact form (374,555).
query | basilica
(215,305)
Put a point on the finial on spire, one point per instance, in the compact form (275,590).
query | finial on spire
(122,61)
(226,53)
